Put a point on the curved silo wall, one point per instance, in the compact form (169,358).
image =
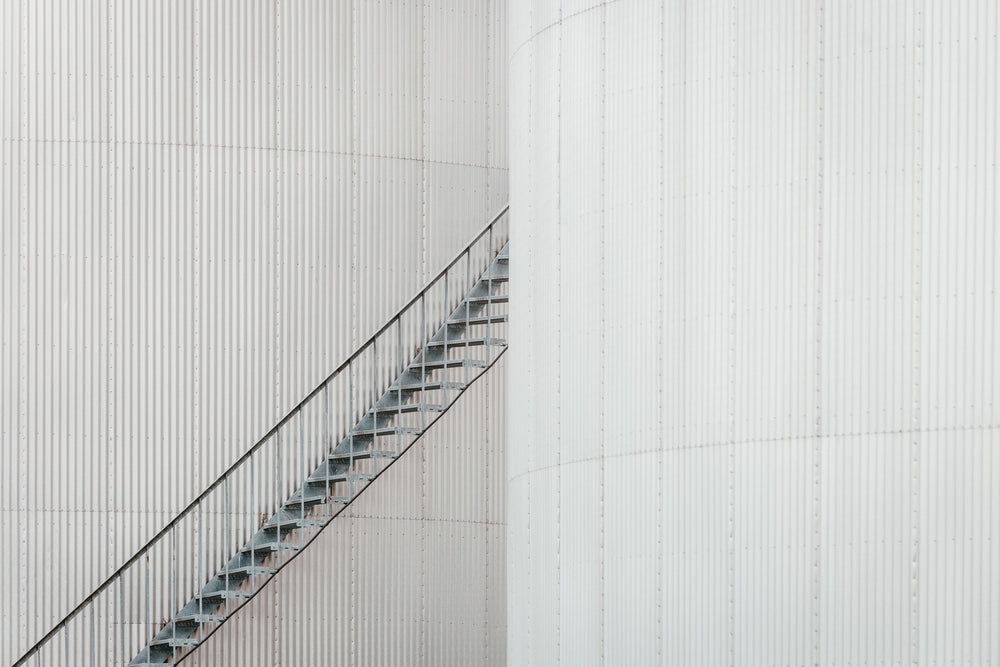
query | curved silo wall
(754,416)
(206,206)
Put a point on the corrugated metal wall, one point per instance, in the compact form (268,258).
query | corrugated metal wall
(753,330)
(204,207)
(413,573)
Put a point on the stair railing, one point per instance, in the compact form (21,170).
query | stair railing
(121,615)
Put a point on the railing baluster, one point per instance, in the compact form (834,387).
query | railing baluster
(423,355)
(468,286)
(447,309)
(253,511)
(277,492)
(173,585)
(302,472)
(226,538)
(326,449)
(399,398)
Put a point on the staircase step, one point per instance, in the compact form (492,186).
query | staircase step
(386,430)
(484,319)
(313,498)
(340,477)
(291,523)
(429,386)
(176,642)
(489,298)
(247,570)
(471,342)
(199,618)
(363,454)
(449,363)
(270,546)
(224,594)
(404,408)
(495,278)
(309,499)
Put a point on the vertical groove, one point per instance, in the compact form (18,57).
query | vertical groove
(817,448)
(660,435)
(916,272)
(602,375)
(557,257)
(25,631)
(731,393)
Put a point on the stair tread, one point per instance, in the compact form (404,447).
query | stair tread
(224,595)
(448,363)
(175,642)
(270,546)
(292,522)
(340,477)
(387,430)
(463,342)
(199,618)
(363,454)
(481,319)
(408,407)
(247,569)
(488,298)
(429,386)
(297,499)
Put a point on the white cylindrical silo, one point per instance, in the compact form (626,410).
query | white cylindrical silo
(205,207)
(753,412)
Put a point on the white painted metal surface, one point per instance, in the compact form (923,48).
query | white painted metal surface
(756,412)
(204,207)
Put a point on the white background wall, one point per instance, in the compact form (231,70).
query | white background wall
(756,413)
(204,207)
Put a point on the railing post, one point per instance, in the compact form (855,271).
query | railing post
(302,472)
(423,355)
(173,586)
(468,286)
(374,414)
(277,491)
(350,414)
(489,290)
(121,621)
(326,449)
(399,397)
(444,363)
(226,538)
(201,558)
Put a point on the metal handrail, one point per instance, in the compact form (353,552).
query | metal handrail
(137,556)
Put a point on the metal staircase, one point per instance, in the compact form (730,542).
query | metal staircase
(270,505)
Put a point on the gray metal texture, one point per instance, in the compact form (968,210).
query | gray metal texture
(204,207)
(271,504)
(754,333)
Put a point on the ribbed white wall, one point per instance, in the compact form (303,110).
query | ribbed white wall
(204,207)
(753,333)
(411,574)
